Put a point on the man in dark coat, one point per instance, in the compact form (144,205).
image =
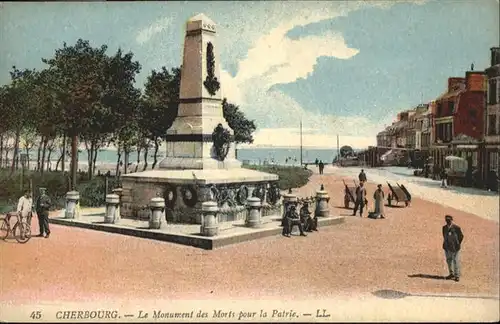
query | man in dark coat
(42,209)
(452,241)
(360,199)
(292,218)
(321,167)
(362,176)
(305,215)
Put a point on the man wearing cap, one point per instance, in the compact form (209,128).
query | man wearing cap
(360,199)
(292,218)
(42,209)
(452,240)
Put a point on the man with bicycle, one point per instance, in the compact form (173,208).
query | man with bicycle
(24,207)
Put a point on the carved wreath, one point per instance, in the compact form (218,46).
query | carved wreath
(189,196)
(211,83)
(222,140)
(242,195)
(170,196)
(273,195)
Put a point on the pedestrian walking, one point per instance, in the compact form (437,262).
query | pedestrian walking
(452,241)
(362,176)
(378,196)
(321,167)
(43,204)
(360,199)
(444,178)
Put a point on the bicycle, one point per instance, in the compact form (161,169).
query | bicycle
(21,229)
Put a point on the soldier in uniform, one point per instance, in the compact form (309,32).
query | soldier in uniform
(42,209)
(292,218)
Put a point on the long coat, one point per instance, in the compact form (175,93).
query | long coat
(378,196)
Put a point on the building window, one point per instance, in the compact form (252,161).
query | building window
(492,92)
(493,161)
(451,107)
(473,115)
(492,124)
(439,109)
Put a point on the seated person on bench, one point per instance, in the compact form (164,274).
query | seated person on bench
(311,223)
(291,219)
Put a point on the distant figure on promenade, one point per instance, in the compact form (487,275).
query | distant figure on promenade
(25,205)
(321,166)
(360,199)
(42,209)
(444,178)
(316,162)
(362,176)
(452,240)
(378,196)
(291,219)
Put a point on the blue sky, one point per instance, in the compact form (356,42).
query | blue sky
(343,67)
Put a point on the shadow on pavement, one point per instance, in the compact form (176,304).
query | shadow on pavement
(395,294)
(427,276)
(395,206)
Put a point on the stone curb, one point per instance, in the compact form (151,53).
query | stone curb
(207,243)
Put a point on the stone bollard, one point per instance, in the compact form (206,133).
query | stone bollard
(112,215)
(119,192)
(254,213)
(72,199)
(209,223)
(322,200)
(157,218)
(288,199)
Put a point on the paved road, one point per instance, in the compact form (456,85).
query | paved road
(475,201)
(354,259)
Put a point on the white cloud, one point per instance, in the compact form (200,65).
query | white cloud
(144,35)
(274,59)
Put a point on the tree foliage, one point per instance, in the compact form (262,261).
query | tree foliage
(85,93)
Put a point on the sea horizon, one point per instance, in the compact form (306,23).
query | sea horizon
(107,157)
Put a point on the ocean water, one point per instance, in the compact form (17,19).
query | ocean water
(282,156)
(106,159)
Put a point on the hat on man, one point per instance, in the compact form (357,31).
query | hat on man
(379,186)
(448,217)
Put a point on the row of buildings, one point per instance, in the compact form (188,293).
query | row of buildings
(463,122)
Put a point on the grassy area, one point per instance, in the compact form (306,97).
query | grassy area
(289,176)
(57,184)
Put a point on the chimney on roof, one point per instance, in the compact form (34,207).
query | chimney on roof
(495,56)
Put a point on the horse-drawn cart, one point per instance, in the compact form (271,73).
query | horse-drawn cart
(398,193)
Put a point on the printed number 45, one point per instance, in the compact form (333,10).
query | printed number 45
(36,315)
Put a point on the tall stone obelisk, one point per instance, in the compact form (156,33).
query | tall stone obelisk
(189,139)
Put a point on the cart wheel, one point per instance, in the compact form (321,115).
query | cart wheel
(407,203)
(4,230)
(346,202)
(22,232)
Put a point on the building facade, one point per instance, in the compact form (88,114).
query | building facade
(458,119)
(492,117)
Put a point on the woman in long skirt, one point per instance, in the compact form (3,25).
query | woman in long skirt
(378,196)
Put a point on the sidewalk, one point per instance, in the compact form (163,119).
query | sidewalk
(475,201)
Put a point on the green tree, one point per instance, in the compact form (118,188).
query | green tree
(93,88)
(17,106)
(242,127)
(159,107)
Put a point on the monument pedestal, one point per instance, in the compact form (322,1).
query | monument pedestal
(200,163)
(185,191)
